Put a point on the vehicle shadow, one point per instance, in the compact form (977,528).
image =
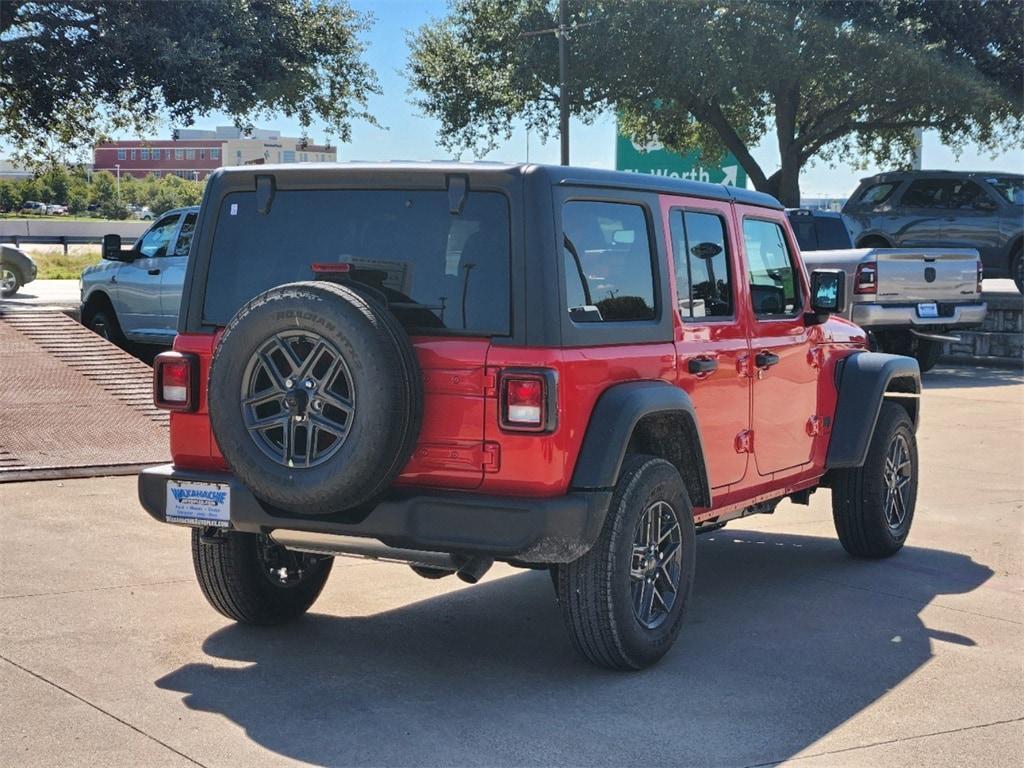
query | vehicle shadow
(965,377)
(786,639)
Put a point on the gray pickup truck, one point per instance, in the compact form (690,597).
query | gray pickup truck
(907,299)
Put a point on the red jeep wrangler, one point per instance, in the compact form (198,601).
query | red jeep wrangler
(561,368)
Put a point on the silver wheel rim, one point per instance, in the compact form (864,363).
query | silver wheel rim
(656,565)
(897,476)
(7,280)
(297,399)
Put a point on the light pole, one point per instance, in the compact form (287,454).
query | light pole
(117,167)
(563,78)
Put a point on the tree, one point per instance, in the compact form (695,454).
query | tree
(833,79)
(8,196)
(72,70)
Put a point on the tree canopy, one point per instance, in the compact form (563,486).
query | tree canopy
(832,79)
(71,70)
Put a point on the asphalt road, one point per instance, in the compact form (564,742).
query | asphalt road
(792,651)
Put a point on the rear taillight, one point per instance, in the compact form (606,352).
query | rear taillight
(981,275)
(528,400)
(866,278)
(175,379)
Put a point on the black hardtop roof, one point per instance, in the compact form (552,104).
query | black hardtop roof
(554,174)
(901,175)
(819,212)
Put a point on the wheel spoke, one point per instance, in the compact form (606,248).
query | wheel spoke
(335,401)
(277,420)
(327,425)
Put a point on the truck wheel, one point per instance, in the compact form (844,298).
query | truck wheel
(315,397)
(873,505)
(252,580)
(926,352)
(105,324)
(10,282)
(623,602)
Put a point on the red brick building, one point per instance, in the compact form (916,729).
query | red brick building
(139,158)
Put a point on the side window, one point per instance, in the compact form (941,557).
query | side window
(928,193)
(774,285)
(184,241)
(703,276)
(966,195)
(154,243)
(607,254)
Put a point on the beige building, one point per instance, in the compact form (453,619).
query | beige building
(275,150)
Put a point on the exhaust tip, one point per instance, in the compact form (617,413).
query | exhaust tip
(474,569)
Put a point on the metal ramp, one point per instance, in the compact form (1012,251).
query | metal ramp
(71,403)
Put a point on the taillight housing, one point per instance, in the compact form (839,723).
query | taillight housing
(175,381)
(981,274)
(528,400)
(865,280)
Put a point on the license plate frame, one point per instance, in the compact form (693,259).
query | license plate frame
(928,310)
(198,504)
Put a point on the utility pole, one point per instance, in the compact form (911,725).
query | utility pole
(117,166)
(563,78)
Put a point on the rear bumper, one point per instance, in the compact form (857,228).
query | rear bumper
(870,315)
(548,530)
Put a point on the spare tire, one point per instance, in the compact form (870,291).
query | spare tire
(315,397)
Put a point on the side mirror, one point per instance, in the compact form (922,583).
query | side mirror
(112,248)
(828,293)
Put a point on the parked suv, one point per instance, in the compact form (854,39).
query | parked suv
(559,368)
(134,293)
(944,209)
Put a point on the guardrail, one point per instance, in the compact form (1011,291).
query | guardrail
(63,240)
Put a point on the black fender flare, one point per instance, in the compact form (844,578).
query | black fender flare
(863,380)
(618,411)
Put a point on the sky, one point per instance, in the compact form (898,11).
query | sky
(409,135)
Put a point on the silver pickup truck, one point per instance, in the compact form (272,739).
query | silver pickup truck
(907,299)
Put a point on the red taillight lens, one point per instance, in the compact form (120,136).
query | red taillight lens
(174,380)
(525,399)
(981,275)
(866,278)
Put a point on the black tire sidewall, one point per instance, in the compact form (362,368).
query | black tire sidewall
(375,364)
(892,420)
(649,480)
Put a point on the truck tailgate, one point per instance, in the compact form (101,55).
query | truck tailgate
(924,275)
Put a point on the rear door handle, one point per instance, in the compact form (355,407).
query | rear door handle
(154,271)
(766,359)
(702,365)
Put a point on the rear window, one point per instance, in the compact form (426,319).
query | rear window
(877,194)
(440,272)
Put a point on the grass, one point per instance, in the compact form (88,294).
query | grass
(54,265)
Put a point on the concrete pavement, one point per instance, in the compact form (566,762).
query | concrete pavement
(62,295)
(791,652)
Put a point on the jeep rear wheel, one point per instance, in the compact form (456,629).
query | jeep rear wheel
(624,601)
(252,580)
(873,505)
(315,397)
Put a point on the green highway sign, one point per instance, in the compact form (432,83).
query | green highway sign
(657,160)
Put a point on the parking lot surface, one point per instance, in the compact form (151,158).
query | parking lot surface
(791,651)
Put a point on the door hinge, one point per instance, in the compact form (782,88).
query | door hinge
(492,457)
(490,382)
(745,366)
(745,441)
(813,426)
(815,357)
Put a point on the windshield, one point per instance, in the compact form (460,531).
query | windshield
(440,272)
(1010,187)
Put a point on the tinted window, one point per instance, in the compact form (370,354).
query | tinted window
(832,234)
(184,241)
(942,193)
(877,194)
(1010,187)
(155,242)
(703,276)
(440,272)
(608,272)
(774,286)
(803,228)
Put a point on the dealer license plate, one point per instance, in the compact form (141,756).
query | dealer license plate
(191,503)
(931,309)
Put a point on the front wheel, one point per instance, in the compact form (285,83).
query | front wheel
(9,282)
(623,602)
(873,505)
(104,323)
(252,580)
